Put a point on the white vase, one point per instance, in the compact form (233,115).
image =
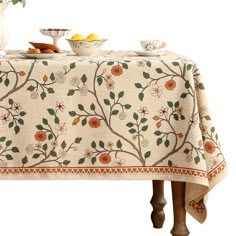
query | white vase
(4,32)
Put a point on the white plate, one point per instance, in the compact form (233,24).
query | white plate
(42,55)
(148,53)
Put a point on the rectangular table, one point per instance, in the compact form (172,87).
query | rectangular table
(112,116)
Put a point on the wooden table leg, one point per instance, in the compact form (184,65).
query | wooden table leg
(158,202)
(178,197)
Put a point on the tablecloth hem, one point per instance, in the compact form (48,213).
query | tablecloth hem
(114,176)
(199,211)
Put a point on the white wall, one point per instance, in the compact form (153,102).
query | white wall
(200,29)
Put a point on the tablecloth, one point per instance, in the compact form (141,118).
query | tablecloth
(116,115)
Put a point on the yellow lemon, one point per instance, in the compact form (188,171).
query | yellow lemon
(91,37)
(77,37)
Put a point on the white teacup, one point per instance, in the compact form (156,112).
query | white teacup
(152,45)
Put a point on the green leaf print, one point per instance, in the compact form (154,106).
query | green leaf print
(147,154)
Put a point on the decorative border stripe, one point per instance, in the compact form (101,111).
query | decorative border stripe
(217,170)
(104,170)
(198,207)
(115,170)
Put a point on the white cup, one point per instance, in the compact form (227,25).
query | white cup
(152,45)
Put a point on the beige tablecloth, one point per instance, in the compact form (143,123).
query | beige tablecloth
(113,116)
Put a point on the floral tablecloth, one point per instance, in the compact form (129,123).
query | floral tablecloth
(113,116)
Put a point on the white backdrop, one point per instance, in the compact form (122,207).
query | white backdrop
(200,29)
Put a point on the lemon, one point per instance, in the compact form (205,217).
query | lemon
(91,37)
(77,37)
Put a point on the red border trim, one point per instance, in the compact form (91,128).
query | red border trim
(115,170)
(217,170)
(198,207)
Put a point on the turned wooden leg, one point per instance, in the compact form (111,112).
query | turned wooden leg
(178,196)
(158,202)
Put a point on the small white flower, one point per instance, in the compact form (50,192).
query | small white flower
(193,121)
(110,84)
(156,91)
(119,162)
(108,77)
(83,90)
(16,107)
(110,144)
(1,146)
(140,63)
(213,162)
(75,81)
(62,154)
(75,148)
(122,115)
(54,143)
(60,106)
(38,145)
(189,158)
(143,111)
(61,128)
(34,95)
(5,118)
(180,110)
(3,163)
(29,149)
(164,111)
(144,142)
(88,153)
(60,77)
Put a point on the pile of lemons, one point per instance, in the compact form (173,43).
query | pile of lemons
(90,37)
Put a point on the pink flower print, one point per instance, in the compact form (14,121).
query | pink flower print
(54,143)
(108,77)
(140,63)
(180,110)
(110,84)
(110,144)
(38,145)
(88,153)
